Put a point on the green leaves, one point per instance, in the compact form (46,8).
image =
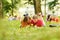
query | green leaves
(52,4)
(7,6)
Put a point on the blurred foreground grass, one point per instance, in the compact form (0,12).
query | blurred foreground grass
(10,30)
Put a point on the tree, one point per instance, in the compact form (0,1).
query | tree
(52,4)
(37,6)
(45,7)
(29,2)
(10,6)
(14,4)
(1,13)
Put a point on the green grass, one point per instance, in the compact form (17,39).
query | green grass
(10,30)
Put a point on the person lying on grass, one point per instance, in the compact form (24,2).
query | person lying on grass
(37,21)
(12,17)
(26,21)
(52,18)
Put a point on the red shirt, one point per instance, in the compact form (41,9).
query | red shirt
(33,22)
(39,23)
(57,19)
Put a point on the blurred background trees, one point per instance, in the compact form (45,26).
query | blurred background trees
(1,13)
(9,6)
(37,5)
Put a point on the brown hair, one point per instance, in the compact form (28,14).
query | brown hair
(25,19)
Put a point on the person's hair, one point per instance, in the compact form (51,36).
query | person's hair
(35,17)
(25,19)
(48,17)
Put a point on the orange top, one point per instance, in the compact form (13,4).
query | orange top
(24,24)
(57,19)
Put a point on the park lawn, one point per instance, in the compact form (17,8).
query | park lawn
(10,30)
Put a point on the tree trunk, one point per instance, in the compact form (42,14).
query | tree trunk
(12,8)
(45,8)
(37,6)
(1,11)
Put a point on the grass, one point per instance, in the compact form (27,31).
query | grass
(10,30)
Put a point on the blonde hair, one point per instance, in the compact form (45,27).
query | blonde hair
(35,17)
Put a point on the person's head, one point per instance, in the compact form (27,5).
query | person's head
(39,14)
(26,18)
(35,17)
(48,16)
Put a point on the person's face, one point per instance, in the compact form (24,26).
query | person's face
(35,19)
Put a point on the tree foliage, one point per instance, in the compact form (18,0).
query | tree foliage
(29,2)
(7,6)
(52,4)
